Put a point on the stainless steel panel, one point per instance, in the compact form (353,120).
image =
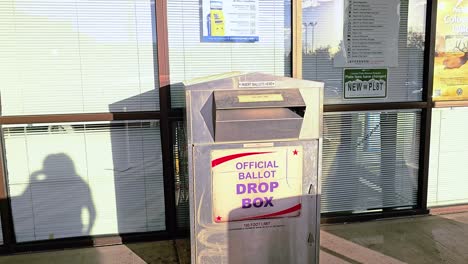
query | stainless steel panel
(286,240)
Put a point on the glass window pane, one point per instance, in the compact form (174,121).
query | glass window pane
(323,44)
(370,160)
(63,56)
(68,180)
(191,56)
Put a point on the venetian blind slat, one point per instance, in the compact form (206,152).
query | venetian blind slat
(370,160)
(448,156)
(62,56)
(69,180)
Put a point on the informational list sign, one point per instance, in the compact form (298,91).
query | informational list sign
(370,34)
(229,20)
(451,51)
(365,83)
(256,183)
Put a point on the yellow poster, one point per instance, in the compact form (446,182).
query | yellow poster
(256,183)
(451,51)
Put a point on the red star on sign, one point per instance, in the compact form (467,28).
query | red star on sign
(295,152)
(218,218)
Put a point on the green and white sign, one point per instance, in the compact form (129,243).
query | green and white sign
(365,83)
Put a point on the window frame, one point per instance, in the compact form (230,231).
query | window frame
(167,115)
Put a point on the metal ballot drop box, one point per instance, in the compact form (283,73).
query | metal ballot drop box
(254,144)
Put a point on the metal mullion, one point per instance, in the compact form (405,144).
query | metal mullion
(426,118)
(9,237)
(166,113)
(296,39)
(332,218)
(87,117)
(374,106)
(444,104)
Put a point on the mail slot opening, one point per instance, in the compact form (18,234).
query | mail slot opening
(258,123)
(258,114)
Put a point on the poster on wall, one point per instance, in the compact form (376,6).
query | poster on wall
(365,83)
(370,34)
(229,20)
(451,51)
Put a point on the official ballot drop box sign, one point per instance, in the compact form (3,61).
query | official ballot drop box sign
(254,168)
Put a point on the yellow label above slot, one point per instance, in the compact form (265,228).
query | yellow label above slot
(255,98)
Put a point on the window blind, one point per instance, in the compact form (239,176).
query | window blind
(323,33)
(77,56)
(448,156)
(370,160)
(68,180)
(190,58)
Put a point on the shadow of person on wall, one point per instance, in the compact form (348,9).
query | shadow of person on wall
(61,201)
(286,233)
